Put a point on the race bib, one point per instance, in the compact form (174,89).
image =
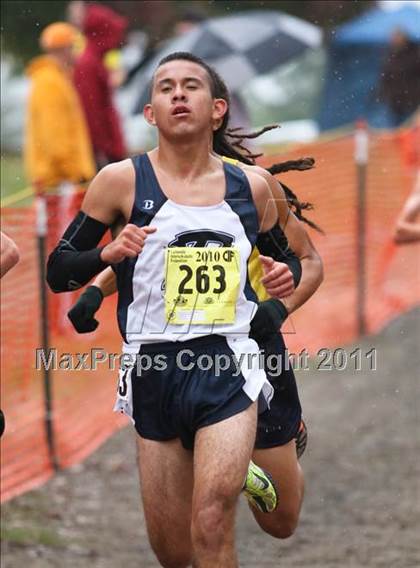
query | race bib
(201,285)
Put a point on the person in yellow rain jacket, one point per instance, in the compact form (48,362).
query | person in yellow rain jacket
(57,145)
(58,153)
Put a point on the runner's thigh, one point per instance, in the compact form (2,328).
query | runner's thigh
(221,456)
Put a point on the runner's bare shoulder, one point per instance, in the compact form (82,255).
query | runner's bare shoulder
(111,192)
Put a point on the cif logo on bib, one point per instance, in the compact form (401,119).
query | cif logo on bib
(201,238)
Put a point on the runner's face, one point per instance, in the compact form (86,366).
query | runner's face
(182,104)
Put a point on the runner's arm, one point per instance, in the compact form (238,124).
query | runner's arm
(301,245)
(9,254)
(77,258)
(407,229)
(281,271)
(272,313)
(106,281)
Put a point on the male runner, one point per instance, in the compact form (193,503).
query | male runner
(281,425)
(190,199)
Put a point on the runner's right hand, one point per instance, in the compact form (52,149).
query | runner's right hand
(129,243)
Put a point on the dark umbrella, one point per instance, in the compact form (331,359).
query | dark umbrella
(240,47)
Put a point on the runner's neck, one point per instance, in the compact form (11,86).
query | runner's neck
(182,161)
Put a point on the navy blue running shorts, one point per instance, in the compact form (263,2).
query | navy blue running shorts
(173,402)
(280,423)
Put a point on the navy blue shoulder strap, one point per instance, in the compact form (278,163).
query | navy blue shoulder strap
(239,198)
(149,197)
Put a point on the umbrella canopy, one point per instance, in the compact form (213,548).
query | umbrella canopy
(375,27)
(240,47)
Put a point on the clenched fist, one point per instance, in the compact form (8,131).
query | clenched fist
(129,243)
(278,279)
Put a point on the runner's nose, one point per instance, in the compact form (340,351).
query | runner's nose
(178,94)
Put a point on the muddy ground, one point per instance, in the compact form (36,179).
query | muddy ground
(362,467)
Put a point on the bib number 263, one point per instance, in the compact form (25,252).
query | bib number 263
(201,284)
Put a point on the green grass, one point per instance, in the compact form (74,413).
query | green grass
(25,536)
(31,520)
(13,177)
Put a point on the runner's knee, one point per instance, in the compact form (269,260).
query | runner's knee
(279,525)
(209,521)
(170,558)
(174,561)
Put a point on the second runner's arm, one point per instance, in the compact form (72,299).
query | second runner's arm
(300,244)
(272,313)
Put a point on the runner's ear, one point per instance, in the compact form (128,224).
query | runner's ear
(220,108)
(149,114)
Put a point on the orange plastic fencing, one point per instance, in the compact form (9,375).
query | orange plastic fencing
(329,318)
(83,399)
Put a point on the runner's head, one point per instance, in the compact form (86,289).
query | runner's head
(229,143)
(183,98)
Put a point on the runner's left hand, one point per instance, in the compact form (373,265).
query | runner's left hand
(81,314)
(278,279)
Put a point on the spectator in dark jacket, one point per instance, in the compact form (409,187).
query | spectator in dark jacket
(104,30)
(400,82)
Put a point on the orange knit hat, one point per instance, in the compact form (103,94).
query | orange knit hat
(57,35)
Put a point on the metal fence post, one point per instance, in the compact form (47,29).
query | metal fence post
(41,231)
(361,156)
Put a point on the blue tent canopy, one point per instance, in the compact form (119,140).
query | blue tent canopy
(376,26)
(355,59)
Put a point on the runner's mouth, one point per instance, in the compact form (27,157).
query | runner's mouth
(181,110)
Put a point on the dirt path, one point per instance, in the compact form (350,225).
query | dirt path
(362,505)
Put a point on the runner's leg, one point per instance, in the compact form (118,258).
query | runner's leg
(275,449)
(282,464)
(221,456)
(166,480)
